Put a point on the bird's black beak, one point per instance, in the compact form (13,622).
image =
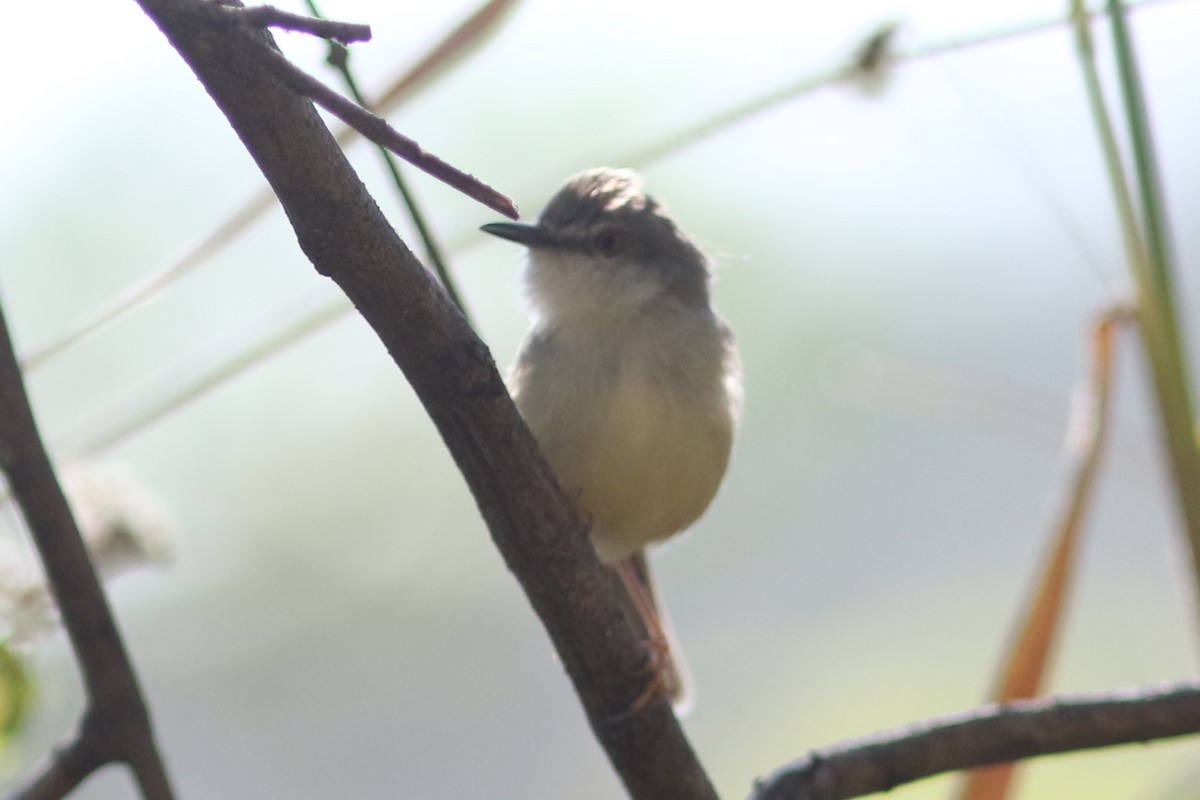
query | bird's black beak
(528,235)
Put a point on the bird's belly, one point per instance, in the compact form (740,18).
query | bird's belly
(646,460)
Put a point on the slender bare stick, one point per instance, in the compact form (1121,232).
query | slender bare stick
(339,59)
(445,54)
(271,17)
(989,735)
(116,724)
(379,131)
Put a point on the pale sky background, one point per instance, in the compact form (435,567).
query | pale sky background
(910,307)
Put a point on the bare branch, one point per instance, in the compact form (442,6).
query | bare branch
(379,131)
(62,772)
(116,726)
(534,525)
(339,59)
(989,735)
(445,55)
(271,17)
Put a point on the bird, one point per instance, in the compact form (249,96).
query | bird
(628,378)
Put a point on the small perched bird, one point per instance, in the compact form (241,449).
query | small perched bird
(628,378)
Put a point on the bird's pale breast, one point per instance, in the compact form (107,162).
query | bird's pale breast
(645,449)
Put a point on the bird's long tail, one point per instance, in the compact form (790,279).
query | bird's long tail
(676,679)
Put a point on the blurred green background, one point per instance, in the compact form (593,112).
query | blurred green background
(912,311)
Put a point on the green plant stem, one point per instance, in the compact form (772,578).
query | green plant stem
(1144,159)
(339,59)
(1146,250)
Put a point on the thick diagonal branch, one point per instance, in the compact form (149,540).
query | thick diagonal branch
(534,525)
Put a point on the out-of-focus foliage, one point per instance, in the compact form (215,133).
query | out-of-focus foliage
(16,693)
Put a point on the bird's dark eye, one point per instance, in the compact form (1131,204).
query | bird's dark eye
(607,242)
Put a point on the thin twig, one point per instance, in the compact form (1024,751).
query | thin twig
(988,735)
(116,725)
(271,17)
(339,58)
(379,131)
(447,52)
